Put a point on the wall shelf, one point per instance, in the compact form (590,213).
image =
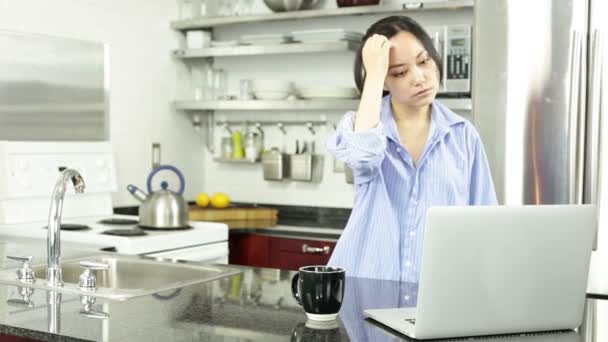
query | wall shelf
(248,50)
(235,161)
(202,112)
(297,105)
(209,22)
(325,104)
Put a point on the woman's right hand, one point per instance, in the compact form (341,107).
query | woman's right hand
(375,61)
(375,54)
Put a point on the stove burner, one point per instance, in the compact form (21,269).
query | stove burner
(125,232)
(71,226)
(164,229)
(118,221)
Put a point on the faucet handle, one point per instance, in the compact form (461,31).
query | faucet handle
(25,274)
(18,258)
(87,278)
(94,265)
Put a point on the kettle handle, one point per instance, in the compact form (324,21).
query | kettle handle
(182,182)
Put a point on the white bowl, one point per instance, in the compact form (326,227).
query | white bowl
(271,86)
(271,95)
(284,5)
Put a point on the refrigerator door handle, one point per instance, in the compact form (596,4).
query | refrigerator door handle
(574,154)
(592,152)
(593,162)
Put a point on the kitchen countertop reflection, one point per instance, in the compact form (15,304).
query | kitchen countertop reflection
(255,305)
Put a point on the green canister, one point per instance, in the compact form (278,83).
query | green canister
(237,145)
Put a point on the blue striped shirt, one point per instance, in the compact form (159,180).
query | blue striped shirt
(384,234)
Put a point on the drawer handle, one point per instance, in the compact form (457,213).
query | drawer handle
(315,250)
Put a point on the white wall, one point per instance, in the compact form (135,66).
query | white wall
(245,182)
(142,78)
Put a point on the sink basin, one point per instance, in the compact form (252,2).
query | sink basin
(128,276)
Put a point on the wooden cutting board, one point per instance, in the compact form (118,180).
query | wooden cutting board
(236,217)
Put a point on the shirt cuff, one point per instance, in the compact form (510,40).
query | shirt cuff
(371,141)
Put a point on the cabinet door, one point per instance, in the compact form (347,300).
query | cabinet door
(291,254)
(10,338)
(249,250)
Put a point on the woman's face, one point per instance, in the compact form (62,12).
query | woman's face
(413,77)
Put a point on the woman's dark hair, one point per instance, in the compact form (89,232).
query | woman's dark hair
(390,27)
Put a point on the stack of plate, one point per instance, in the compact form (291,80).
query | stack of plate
(328,92)
(265,39)
(327,35)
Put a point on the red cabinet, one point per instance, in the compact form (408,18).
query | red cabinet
(10,338)
(278,252)
(249,250)
(291,254)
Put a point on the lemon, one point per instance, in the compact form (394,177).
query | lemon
(220,200)
(202,199)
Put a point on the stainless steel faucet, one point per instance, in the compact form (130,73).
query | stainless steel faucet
(53,271)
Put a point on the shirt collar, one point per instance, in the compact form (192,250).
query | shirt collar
(441,117)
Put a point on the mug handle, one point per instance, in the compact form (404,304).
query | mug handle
(294,288)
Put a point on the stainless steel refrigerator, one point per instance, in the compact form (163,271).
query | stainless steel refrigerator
(539,100)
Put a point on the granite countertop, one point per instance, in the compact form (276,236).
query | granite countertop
(255,305)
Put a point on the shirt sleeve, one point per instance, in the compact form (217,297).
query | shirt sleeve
(482,190)
(362,151)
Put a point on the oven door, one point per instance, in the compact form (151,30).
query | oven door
(212,253)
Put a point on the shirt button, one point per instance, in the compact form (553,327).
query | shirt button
(408,264)
(412,233)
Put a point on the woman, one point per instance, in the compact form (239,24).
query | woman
(407,151)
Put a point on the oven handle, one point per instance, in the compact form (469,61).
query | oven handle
(197,253)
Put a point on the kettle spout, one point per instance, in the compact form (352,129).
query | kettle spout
(137,192)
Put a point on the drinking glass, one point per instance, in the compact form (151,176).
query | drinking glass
(220,83)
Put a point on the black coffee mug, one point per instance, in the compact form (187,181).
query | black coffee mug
(320,290)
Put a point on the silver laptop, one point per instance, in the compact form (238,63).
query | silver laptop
(490,270)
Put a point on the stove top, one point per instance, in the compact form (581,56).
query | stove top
(118,221)
(136,231)
(71,226)
(130,240)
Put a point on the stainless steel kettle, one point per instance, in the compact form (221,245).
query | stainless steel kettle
(162,209)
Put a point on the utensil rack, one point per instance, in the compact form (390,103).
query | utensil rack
(280,124)
(198,123)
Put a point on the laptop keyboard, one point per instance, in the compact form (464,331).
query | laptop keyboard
(411,320)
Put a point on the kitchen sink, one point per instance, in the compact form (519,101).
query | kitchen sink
(128,276)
